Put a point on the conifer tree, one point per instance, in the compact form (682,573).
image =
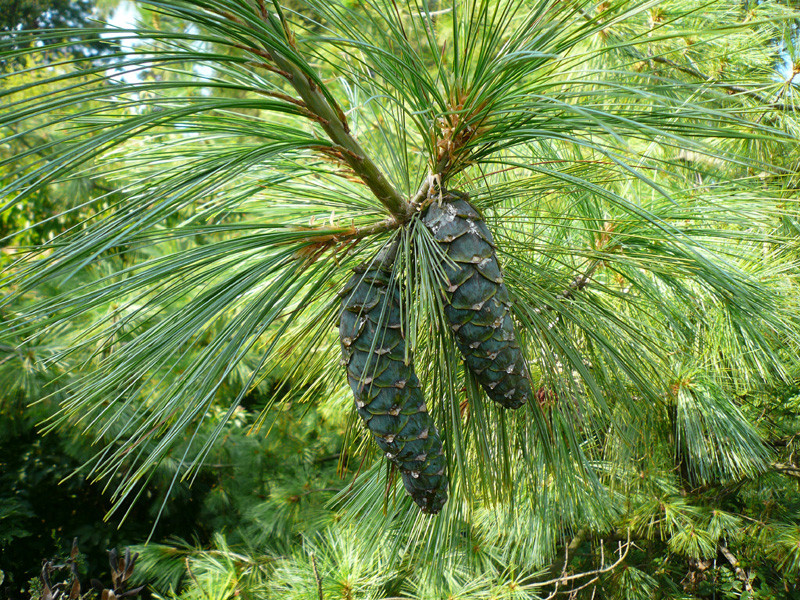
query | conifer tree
(633,163)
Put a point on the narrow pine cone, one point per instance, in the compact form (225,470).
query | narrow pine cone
(387,392)
(477,301)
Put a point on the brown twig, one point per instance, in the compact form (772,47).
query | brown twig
(326,236)
(194,579)
(564,578)
(316,576)
(436,174)
(573,545)
(580,281)
(735,564)
(786,469)
(284,97)
(263,65)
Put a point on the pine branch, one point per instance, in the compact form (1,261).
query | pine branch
(580,281)
(332,119)
(687,70)
(339,133)
(334,122)
(730,88)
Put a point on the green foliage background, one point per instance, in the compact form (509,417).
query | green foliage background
(176,227)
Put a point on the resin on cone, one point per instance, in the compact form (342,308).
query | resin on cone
(387,392)
(477,304)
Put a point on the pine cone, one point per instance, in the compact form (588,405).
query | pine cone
(477,302)
(387,393)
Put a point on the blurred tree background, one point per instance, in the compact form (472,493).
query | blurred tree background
(17,17)
(175,228)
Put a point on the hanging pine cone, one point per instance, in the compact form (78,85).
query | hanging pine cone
(477,302)
(387,393)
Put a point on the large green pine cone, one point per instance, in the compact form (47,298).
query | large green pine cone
(477,302)
(388,394)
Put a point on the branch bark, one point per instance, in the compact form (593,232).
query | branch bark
(557,572)
(580,281)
